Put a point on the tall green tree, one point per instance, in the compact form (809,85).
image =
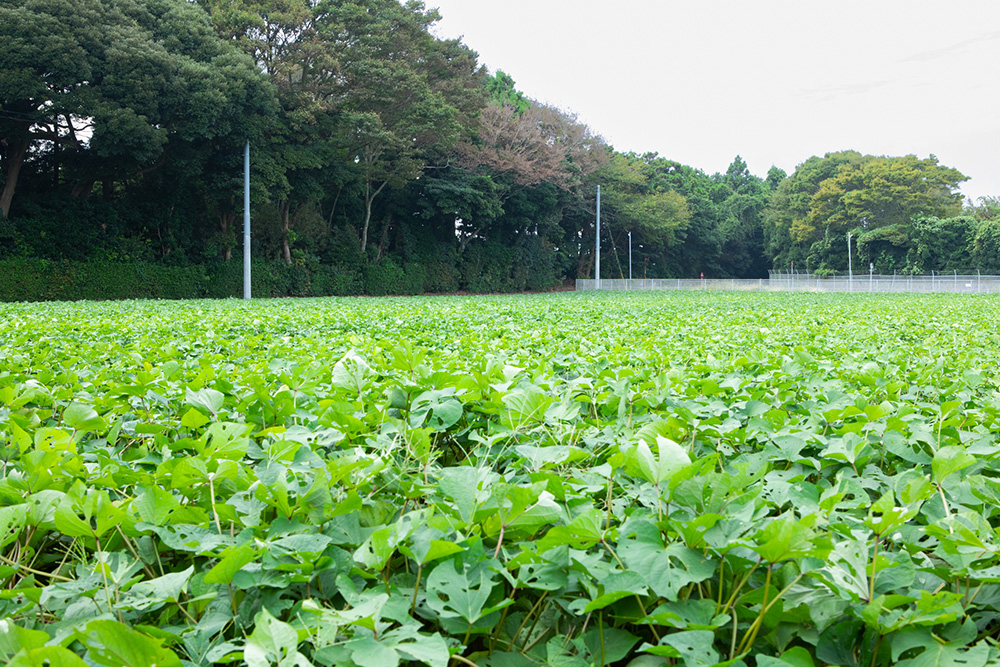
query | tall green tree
(880,191)
(812,210)
(742,222)
(367,94)
(110,85)
(543,165)
(394,110)
(503,92)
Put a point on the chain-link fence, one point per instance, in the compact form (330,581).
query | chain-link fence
(807,282)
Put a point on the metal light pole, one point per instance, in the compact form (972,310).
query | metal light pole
(630,255)
(850,267)
(597,270)
(246,221)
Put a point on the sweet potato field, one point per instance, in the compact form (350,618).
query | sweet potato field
(697,479)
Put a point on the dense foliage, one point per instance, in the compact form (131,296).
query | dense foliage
(647,479)
(375,142)
(904,214)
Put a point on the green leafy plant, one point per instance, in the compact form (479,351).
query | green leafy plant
(634,479)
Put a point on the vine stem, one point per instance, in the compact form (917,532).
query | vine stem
(600,631)
(531,612)
(947,510)
(871,579)
(638,599)
(496,552)
(775,599)
(503,617)
(107,586)
(722,574)
(416,587)
(211,498)
(878,645)
(755,626)
(32,570)
(607,502)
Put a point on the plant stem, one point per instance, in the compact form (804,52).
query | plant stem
(607,502)
(503,617)
(19,566)
(751,633)
(107,588)
(211,498)
(496,552)
(777,597)
(878,645)
(638,599)
(600,632)
(529,615)
(722,575)
(944,502)
(871,579)
(736,591)
(416,587)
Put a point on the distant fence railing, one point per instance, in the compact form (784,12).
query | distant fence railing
(804,282)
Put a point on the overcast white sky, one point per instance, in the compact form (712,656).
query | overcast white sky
(775,81)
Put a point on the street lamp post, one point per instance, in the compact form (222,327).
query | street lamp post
(597,235)
(850,266)
(246,221)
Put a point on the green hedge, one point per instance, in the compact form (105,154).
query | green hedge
(482,268)
(44,280)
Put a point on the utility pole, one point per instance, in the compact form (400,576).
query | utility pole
(246,220)
(630,255)
(597,270)
(850,267)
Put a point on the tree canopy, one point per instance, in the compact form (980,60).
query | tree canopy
(379,149)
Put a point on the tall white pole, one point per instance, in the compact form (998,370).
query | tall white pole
(850,267)
(246,221)
(630,255)
(597,270)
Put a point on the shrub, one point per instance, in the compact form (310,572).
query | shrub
(384,277)
(335,281)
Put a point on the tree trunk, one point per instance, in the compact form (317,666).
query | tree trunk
(585,264)
(369,198)
(368,218)
(385,237)
(225,220)
(463,241)
(286,251)
(333,209)
(16,151)
(83,189)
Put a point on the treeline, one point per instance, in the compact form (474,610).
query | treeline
(904,214)
(385,160)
